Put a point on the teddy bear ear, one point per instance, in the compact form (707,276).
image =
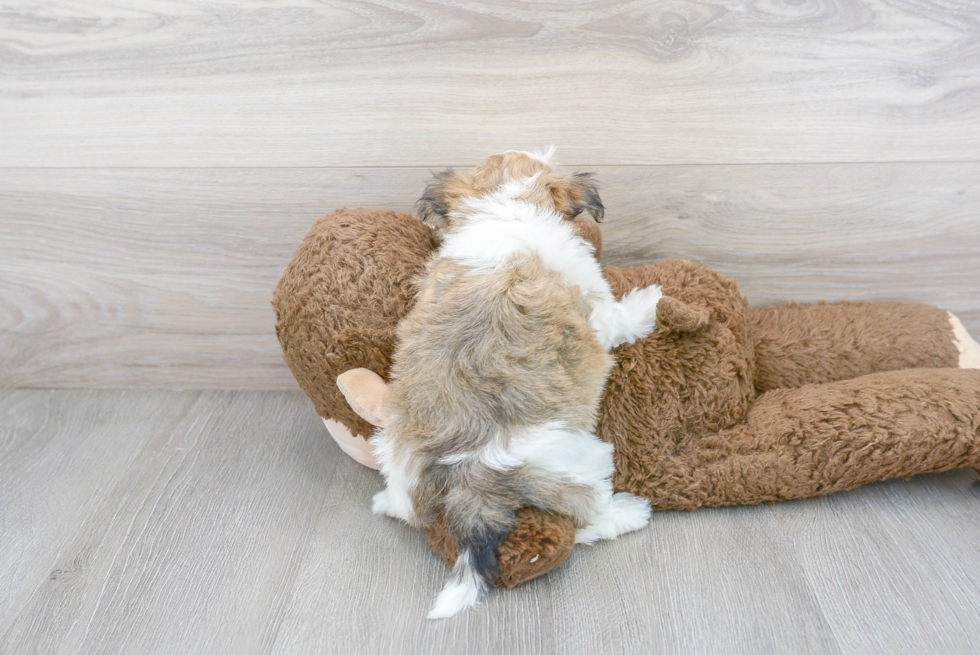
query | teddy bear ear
(674,315)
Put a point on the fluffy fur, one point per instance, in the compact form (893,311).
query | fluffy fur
(724,404)
(500,368)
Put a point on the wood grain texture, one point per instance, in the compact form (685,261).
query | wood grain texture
(240,527)
(163,277)
(711,581)
(366,584)
(894,565)
(714,581)
(808,233)
(60,456)
(196,548)
(342,83)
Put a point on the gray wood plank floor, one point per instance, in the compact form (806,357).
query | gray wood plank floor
(202,522)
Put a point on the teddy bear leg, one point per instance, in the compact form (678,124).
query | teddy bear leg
(967,347)
(537,544)
(799,344)
(827,438)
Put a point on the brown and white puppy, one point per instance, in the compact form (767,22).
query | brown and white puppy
(568,195)
(500,367)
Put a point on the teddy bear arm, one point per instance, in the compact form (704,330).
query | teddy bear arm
(826,438)
(798,344)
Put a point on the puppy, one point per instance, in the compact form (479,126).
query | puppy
(500,367)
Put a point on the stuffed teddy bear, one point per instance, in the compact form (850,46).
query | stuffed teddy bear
(722,404)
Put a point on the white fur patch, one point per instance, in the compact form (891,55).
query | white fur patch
(400,477)
(499,227)
(575,455)
(969,349)
(463,590)
(624,513)
(493,456)
(632,318)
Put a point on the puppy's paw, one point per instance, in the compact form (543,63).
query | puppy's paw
(640,307)
(381,504)
(391,503)
(625,513)
(630,512)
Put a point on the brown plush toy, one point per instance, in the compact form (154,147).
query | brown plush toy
(722,404)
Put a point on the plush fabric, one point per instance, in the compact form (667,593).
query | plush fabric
(340,298)
(723,404)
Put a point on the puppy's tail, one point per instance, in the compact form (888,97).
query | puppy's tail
(477,538)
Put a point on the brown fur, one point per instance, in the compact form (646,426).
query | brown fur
(826,342)
(341,297)
(748,406)
(506,346)
(538,543)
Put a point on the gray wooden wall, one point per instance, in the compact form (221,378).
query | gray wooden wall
(160,161)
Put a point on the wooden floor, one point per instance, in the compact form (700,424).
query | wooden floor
(228,522)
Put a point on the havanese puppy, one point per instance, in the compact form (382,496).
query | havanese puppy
(500,366)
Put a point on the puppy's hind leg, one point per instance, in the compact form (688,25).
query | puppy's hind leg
(571,471)
(633,317)
(622,513)
(396,500)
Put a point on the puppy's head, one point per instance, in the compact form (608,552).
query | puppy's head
(569,195)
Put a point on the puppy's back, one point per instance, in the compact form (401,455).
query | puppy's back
(482,351)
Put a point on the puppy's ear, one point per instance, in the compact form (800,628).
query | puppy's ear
(433,203)
(441,193)
(576,194)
